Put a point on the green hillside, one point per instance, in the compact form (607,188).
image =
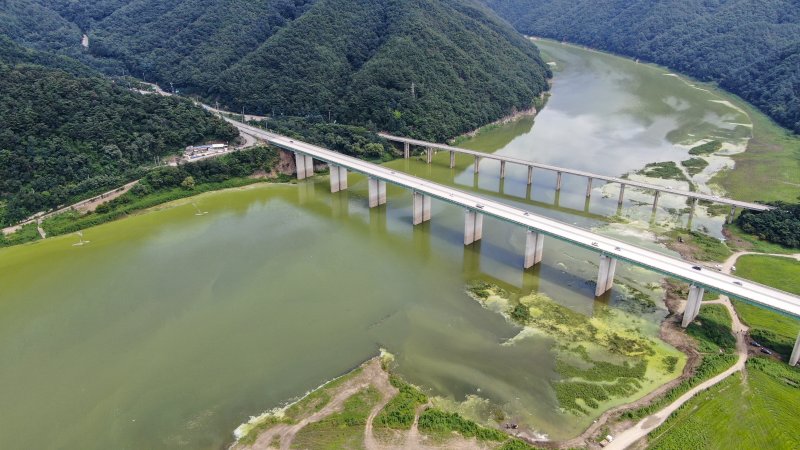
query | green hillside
(431,68)
(66,137)
(750,48)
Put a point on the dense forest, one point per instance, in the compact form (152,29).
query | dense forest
(780,225)
(431,68)
(65,137)
(750,48)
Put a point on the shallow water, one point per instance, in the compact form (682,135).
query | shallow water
(169,329)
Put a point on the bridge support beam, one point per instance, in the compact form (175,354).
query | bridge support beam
(406,150)
(421,205)
(795,353)
(589,187)
(377,192)
(477,164)
(558,181)
(428,155)
(304,165)
(693,304)
(502,169)
(605,276)
(534,247)
(530,175)
(621,194)
(655,200)
(473,226)
(338,178)
(452,159)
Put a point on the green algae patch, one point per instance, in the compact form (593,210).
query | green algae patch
(667,170)
(602,361)
(706,149)
(694,165)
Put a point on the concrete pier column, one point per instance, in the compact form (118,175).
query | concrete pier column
(605,275)
(558,181)
(693,304)
(502,169)
(732,215)
(452,159)
(473,226)
(477,163)
(795,353)
(381,192)
(692,206)
(589,187)
(406,150)
(428,155)
(372,184)
(309,166)
(530,175)
(621,194)
(534,247)
(655,200)
(300,163)
(338,178)
(421,208)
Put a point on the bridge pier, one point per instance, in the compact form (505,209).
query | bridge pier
(655,200)
(452,159)
(558,181)
(795,352)
(605,275)
(621,194)
(530,175)
(338,178)
(377,192)
(691,212)
(477,163)
(428,155)
(473,226)
(406,150)
(589,187)
(732,215)
(421,205)
(534,247)
(304,165)
(693,304)
(502,169)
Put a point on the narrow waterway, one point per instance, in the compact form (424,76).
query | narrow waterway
(168,329)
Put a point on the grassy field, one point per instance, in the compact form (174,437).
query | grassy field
(771,329)
(705,248)
(344,429)
(770,168)
(757,412)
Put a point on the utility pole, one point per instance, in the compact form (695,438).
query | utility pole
(413,91)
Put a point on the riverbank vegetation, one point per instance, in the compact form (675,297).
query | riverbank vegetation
(758,410)
(698,246)
(169,183)
(65,137)
(667,170)
(780,225)
(694,165)
(706,149)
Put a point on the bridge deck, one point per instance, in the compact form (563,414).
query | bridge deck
(596,176)
(752,292)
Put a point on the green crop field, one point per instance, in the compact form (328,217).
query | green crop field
(759,411)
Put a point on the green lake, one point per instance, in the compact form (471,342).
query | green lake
(169,329)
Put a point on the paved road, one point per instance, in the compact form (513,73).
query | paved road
(627,182)
(663,264)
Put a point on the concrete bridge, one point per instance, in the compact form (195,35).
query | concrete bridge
(430,147)
(538,228)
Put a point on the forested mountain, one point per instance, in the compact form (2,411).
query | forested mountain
(751,48)
(64,136)
(432,68)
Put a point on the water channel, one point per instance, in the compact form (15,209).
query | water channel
(168,329)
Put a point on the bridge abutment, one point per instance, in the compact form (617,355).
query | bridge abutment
(605,275)
(534,248)
(473,226)
(304,165)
